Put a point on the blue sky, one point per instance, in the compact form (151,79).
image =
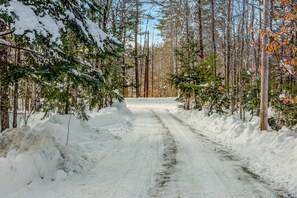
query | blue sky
(150,24)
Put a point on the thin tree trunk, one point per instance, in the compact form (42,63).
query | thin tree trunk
(253,36)
(264,70)
(106,13)
(146,72)
(16,93)
(200,30)
(136,50)
(172,67)
(188,33)
(4,89)
(67,102)
(123,33)
(233,74)
(15,105)
(4,106)
(153,65)
(259,42)
(214,47)
(241,105)
(27,98)
(228,63)
(34,97)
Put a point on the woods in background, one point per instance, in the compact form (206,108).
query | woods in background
(235,56)
(230,56)
(226,55)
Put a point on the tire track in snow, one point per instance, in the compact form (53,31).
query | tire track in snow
(250,176)
(169,160)
(143,161)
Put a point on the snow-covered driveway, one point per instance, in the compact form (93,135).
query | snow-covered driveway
(160,157)
(193,166)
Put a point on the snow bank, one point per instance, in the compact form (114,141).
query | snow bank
(272,155)
(39,154)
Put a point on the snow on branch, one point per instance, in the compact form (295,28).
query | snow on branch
(26,21)
(4,42)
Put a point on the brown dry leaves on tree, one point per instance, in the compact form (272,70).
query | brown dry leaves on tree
(283,39)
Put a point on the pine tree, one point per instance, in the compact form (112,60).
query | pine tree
(57,50)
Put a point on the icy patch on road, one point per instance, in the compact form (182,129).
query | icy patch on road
(272,155)
(39,154)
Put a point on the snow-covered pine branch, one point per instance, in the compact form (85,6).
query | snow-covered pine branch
(32,20)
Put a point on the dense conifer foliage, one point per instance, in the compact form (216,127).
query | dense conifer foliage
(55,57)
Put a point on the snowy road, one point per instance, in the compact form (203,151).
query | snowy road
(160,157)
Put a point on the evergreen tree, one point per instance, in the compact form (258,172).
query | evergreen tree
(59,46)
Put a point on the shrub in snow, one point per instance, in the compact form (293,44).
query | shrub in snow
(198,84)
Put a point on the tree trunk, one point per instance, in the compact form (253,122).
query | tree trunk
(228,63)
(15,105)
(67,102)
(214,47)
(241,87)
(27,98)
(264,70)
(16,92)
(136,49)
(4,102)
(188,34)
(146,72)
(106,13)
(253,37)
(233,75)
(123,31)
(171,63)
(153,66)
(259,42)
(200,30)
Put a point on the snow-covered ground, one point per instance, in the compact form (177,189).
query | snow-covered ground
(37,156)
(270,155)
(151,149)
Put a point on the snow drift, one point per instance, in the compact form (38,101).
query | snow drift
(40,154)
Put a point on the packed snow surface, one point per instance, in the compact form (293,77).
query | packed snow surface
(150,149)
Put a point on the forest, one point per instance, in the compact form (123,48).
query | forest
(70,56)
(148,98)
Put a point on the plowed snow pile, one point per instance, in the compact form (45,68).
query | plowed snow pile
(40,154)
